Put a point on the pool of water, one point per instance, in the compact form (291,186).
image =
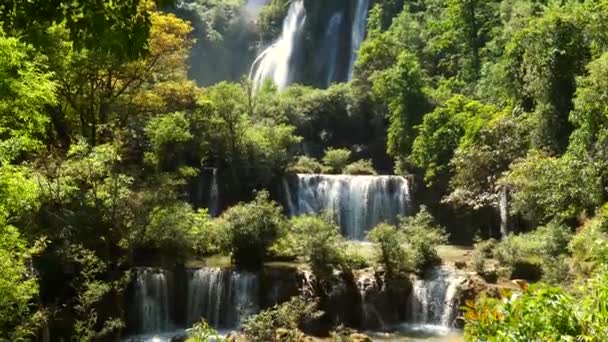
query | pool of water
(407,332)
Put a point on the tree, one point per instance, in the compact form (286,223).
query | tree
(455,124)
(25,91)
(400,88)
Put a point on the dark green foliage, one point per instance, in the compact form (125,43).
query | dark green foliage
(252,228)
(288,317)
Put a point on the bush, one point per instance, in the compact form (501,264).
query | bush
(212,236)
(542,312)
(288,317)
(391,251)
(320,242)
(423,234)
(589,248)
(360,167)
(527,255)
(306,165)
(203,332)
(174,230)
(335,160)
(252,228)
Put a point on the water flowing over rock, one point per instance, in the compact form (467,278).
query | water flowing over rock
(358,32)
(223,297)
(359,203)
(330,48)
(276,62)
(152,300)
(434,299)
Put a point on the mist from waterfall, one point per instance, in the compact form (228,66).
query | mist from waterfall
(358,33)
(152,300)
(275,63)
(224,298)
(433,299)
(358,203)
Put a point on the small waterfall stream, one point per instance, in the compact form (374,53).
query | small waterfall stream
(359,203)
(330,47)
(275,63)
(358,32)
(152,298)
(222,297)
(433,299)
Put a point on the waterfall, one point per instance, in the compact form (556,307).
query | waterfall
(152,300)
(358,32)
(291,211)
(330,47)
(214,195)
(433,299)
(224,298)
(358,203)
(503,207)
(275,62)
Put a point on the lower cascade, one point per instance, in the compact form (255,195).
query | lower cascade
(224,298)
(152,298)
(359,203)
(434,299)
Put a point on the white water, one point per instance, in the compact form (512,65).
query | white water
(224,298)
(214,195)
(152,300)
(275,63)
(358,32)
(433,299)
(358,203)
(330,46)
(503,207)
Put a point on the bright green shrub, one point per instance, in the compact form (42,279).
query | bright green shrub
(306,164)
(335,160)
(360,167)
(252,229)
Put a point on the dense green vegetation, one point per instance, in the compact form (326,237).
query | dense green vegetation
(103,133)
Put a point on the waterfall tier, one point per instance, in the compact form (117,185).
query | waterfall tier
(358,32)
(276,62)
(434,298)
(224,298)
(359,203)
(152,297)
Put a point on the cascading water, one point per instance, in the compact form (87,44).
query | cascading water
(224,298)
(359,203)
(358,32)
(152,300)
(433,299)
(214,195)
(275,63)
(503,207)
(330,47)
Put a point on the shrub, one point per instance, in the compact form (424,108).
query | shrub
(335,160)
(212,235)
(320,242)
(173,230)
(203,332)
(360,167)
(391,251)
(527,255)
(589,247)
(422,234)
(252,228)
(288,316)
(306,165)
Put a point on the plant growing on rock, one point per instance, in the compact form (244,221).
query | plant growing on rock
(335,160)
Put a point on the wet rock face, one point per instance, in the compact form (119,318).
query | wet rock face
(362,299)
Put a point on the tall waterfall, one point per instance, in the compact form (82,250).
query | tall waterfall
(433,300)
(222,297)
(359,203)
(152,300)
(330,47)
(358,32)
(214,196)
(275,62)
